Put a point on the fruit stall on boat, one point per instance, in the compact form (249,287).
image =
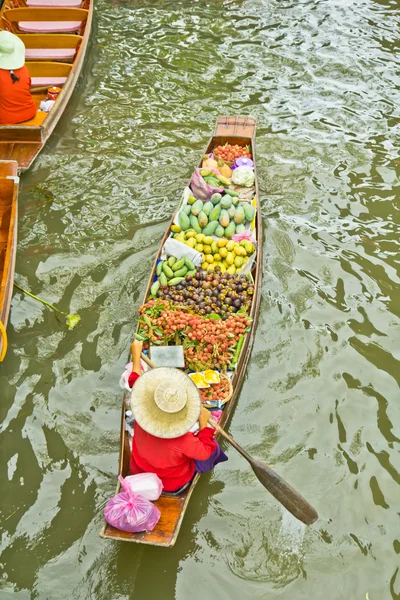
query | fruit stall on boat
(203,294)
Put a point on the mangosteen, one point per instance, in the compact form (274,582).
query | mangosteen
(198,275)
(228,300)
(234,309)
(208,310)
(237,303)
(179,287)
(188,278)
(195,283)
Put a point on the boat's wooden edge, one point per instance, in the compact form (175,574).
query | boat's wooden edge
(8,170)
(248,343)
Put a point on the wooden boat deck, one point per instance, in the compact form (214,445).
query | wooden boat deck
(234,130)
(22,142)
(8,242)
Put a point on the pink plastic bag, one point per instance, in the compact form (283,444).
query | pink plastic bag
(131,512)
(148,485)
(200,188)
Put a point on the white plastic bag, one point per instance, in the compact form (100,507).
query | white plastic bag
(148,485)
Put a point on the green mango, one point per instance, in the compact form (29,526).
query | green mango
(230,230)
(214,214)
(187,209)
(194,223)
(240,228)
(207,207)
(219,231)
(203,219)
(210,228)
(235,201)
(249,211)
(224,218)
(239,215)
(231,211)
(184,221)
(171,261)
(226,202)
(197,207)
(163,279)
(215,198)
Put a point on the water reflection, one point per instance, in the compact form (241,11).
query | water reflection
(320,396)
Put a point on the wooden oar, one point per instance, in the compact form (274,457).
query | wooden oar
(282,491)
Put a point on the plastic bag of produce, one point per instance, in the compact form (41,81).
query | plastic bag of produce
(123,382)
(131,512)
(200,188)
(148,485)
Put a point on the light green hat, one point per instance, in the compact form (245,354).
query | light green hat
(12,51)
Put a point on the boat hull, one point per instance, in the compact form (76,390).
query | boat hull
(8,234)
(238,130)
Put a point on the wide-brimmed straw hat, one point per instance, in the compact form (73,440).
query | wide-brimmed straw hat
(12,51)
(165,402)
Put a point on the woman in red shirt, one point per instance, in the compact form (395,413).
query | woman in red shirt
(16,102)
(166,405)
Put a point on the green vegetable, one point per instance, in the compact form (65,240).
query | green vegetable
(159,268)
(171,261)
(154,288)
(189,264)
(175,280)
(167,271)
(181,273)
(243,176)
(184,222)
(178,264)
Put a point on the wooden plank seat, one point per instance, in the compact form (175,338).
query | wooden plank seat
(47,74)
(51,3)
(51,47)
(36,121)
(45,20)
(50,53)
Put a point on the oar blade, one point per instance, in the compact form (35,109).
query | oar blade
(284,493)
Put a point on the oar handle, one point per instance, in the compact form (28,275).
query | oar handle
(147,360)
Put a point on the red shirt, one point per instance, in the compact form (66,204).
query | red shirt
(171,459)
(16,102)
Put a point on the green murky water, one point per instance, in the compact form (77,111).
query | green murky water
(321,396)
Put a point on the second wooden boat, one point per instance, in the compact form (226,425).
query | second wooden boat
(235,131)
(8,242)
(55,35)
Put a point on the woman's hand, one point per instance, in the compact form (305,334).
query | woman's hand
(136,349)
(204,417)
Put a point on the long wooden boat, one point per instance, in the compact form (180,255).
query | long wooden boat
(8,242)
(231,130)
(55,34)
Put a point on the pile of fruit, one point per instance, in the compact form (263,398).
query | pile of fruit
(218,293)
(230,153)
(222,216)
(217,391)
(207,343)
(225,255)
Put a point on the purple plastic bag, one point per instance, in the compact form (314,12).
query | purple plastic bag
(131,512)
(200,188)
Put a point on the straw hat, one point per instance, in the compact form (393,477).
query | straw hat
(165,402)
(12,51)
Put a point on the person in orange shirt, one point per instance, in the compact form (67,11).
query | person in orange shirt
(16,102)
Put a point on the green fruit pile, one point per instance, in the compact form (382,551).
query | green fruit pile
(171,272)
(222,216)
